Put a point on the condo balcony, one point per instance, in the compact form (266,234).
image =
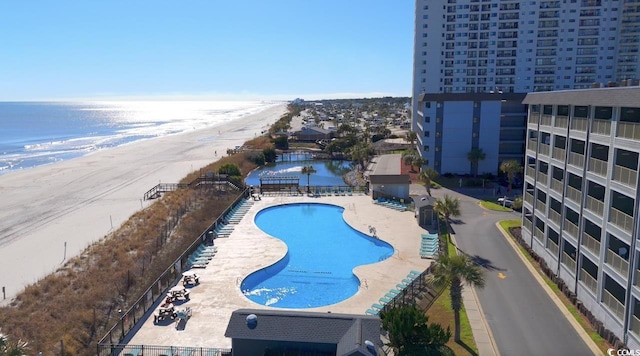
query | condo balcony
(559,153)
(574,194)
(613,304)
(597,166)
(601,127)
(568,261)
(621,219)
(553,247)
(562,122)
(576,159)
(544,149)
(617,262)
(571,228)
(555,216)
(625,169)
(630,130)
(579,124)
(594,205)
(545,120)
(589,282)
(591,243)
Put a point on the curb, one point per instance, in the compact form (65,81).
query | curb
(479,326)
(563,309)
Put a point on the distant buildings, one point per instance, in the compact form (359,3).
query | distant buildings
(582,198)
(474,48)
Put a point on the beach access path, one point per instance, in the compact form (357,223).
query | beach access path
(49,214)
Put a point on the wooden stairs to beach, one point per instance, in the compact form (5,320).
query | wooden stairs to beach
(208,180)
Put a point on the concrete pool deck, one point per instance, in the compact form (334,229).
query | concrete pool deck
(248,249)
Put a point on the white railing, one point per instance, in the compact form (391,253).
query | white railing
(554,216)
(568,261)
(574,194)
(533,119)
(542,178)
(528,197)
(559,153)
(614,305)
(562,121)
(598,166)
(556,185)
(621,220)
(635,325)
(528,224)
(576,159)
(618,263)
(636,280)
(602,127)
(579,124)
(542,207)
(571,228)
(591,243)
(544,149)
(629,130)
(545,120)
(594,205)
(538,234)
(533,145)
(553,247)
(531,172)
(625,175)
(588,281)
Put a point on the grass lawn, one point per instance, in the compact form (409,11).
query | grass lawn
(441,313)
(600,342)
(487,204)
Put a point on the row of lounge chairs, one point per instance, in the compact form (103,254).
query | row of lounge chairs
(233,217)
(391,204)
(201,256)
(329,191)
(390,296)
(429,245)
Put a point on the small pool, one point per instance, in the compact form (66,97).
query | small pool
(322,252)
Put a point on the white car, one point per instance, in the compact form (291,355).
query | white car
(504,201)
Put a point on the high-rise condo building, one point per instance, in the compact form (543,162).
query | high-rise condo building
(465,50)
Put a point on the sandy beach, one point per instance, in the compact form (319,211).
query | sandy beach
(49,214)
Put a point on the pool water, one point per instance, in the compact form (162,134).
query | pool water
(322,252)
(328,173)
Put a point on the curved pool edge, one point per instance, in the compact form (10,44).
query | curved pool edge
(355,274)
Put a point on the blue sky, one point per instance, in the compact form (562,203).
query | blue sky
(213,49)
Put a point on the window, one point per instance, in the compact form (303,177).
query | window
(426,148)
(581,111)
(427,119)
(427,134)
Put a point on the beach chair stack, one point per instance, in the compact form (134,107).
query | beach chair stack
(232,218)
(429,245)
(392,204)
(201,256)
(393,293)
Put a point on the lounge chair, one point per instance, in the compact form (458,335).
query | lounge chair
(372,312)
(414,274)
(395,291)
(133,351)
(401,285)
(390,295)
(385,300)
(377,306)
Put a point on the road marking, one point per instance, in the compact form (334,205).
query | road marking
(501,275)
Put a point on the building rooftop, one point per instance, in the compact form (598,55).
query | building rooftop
(615,96)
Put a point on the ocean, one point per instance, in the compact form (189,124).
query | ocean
(38,133)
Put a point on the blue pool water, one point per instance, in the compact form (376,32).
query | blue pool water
(322,252)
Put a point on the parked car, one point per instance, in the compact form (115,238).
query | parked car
(505,201)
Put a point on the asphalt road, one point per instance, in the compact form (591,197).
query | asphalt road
(522,317)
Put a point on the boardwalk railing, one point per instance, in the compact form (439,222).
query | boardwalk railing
(206,180)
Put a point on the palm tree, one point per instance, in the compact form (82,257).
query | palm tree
(474,156)
(409,156)
(9,348)
(510,168)
(411,137)
(418,161)
(308,170)
(427,176)
(447,207)
(453,271)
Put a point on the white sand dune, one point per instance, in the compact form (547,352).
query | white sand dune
(49,214)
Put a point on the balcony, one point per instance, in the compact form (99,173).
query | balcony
(544,149)
(636,280)
(571,228)
(559,153)
(613,304)
(533,119)
(625,175)
(553,247)
(545,120)
(541,207)
(562,122)
(620,219)
(574,194)
(532,145)
(528,225)
(598,166)
(579,124)
(601,127)
(528,197)
(591,243)
(531,172)
(594,205)
(618,263)
(539,234)
(589,281)
(635,325)
(557,185)
(568,261)
(542,178)
(576,159)
(629,130)
(555,216)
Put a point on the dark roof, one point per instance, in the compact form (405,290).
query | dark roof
(313,130)
(424,200)
(617,96)
(390,179)
(347,331)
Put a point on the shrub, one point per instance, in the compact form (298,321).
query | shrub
(517,204)
(255,157)
(230,169)
(281,142)
(270,155)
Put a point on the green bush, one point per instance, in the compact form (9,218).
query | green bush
(231,169)
(255,157)
(281,142)
(270,155)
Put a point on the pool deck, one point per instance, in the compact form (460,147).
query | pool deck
(248,249)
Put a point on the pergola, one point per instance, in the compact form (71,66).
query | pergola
(279,183)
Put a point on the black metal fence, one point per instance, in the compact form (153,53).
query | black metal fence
(152,350)
(110,344)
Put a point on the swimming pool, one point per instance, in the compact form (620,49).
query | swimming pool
(322,252)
